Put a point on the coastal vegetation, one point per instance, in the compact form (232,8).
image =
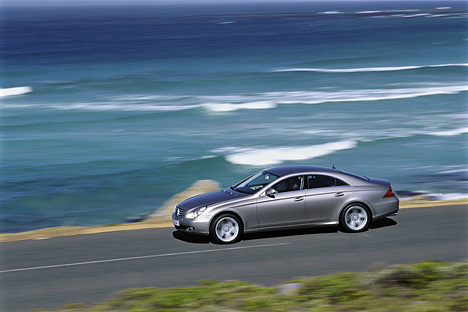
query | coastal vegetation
(427,286)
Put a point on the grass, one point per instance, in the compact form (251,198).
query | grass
(82,230)
(428,286)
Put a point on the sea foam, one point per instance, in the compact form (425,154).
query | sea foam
(270,100)
(453,132)
(277,155)
(366,69)
(4,92)
(231,103)
(271,156)
(255,101)
(228,107)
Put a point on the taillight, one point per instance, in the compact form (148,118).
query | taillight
(389,193)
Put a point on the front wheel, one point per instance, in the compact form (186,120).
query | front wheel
(355,218)
(226,229)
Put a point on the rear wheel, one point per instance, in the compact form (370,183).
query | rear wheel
(355,218)
(226,229)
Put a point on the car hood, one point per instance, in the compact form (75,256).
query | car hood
(210,198)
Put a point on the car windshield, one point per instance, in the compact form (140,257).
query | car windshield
(255,182)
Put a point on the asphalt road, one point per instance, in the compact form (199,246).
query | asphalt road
(91,268)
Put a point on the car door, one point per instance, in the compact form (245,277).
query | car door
(324,196)
(285,205)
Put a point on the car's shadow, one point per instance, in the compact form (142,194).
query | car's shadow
(385,222)
(191,238)
(292,232)
(199,239)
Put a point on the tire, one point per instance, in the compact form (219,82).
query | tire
(226,229)
(355,218)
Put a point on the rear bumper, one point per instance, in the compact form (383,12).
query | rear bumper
(386,207)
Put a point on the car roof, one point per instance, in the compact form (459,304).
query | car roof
(286,170)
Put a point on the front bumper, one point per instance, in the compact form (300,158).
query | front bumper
(199,225)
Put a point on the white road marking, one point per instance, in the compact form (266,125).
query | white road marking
(138,257)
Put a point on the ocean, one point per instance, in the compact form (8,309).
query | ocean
(107,111)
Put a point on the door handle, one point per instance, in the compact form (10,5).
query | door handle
(298,198)
(339,194)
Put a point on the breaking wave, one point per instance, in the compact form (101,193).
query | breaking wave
(271,100)
(228,107)
(271,156)
(4,92)
(453,132)
(277,155)
(438,12)
(365,69)
(426,195)
(231,103)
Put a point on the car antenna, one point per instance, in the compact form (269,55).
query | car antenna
(333,166)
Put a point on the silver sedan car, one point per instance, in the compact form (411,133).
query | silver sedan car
(287,197)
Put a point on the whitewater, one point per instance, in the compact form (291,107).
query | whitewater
(229,103)
(4,92)
(369,69)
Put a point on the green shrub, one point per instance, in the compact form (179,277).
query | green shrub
(427,286)
(337,288)
(258,304)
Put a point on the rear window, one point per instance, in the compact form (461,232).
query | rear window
(356,176)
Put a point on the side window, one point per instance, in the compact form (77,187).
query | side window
(316,181)
(289,184)
(339,182)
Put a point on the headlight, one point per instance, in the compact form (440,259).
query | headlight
(195,213)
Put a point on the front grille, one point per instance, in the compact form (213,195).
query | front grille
(180,212)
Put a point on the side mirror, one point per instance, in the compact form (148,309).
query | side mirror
(271,192)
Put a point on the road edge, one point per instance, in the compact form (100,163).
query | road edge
(62,231)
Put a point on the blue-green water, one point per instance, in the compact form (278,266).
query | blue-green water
(109,111)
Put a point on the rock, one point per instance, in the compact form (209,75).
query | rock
(199,187)
(137,218)
(289,289)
